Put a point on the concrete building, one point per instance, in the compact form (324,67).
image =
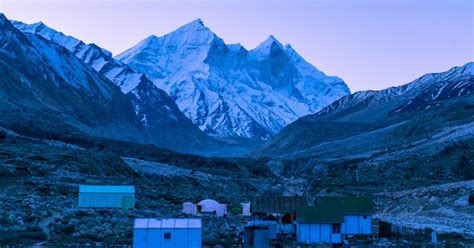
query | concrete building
(167,233)
(106,196)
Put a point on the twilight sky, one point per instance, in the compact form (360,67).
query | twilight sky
(371,44)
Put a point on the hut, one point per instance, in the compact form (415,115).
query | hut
(319,224)
(106,196)
(245,208)
(167,233)
(189,208)
(256,237)
(279,208)
(210,206)
(357,213)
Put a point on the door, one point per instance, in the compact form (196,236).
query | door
(127,202)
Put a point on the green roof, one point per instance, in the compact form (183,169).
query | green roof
(276,204)
(320,214)
(351,205)
(106,189)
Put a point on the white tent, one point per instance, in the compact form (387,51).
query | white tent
(211,206)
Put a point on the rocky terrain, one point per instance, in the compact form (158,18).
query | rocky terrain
(39,181)
(443,208)
(72,114)
(39,185)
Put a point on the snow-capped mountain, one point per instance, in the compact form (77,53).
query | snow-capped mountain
(411,113)
(164,123)
(229,91)
(43,86)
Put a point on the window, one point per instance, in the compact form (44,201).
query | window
(167,235)
(365,217)
(336,228)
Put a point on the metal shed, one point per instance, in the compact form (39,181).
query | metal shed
(319,224)
(106,196)
(167,233)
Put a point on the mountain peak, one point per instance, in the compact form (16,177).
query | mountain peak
(268,44)
(3,19)
(150,38)
(197,22)
(195,25)
(40,25)
(272,40)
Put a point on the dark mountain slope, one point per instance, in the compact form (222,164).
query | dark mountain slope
(44,85)
(390,117)
(163,123)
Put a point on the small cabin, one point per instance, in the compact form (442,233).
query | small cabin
(189,208)
(169,233)
(106,196)
(256,237)
(278,208)
(357,213)
(319,224)
(205,207)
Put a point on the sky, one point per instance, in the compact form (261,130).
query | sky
(371,44)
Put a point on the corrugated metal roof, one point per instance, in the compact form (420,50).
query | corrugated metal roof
(167,223)
(106,189)
(276,204)
(320,214)
(351,205)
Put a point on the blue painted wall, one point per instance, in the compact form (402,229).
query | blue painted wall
(155,238)
(309,233)
(103,200)
(105,196)
(271,224)
(256,238)
(356,224)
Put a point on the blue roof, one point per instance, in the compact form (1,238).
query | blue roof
(106,189)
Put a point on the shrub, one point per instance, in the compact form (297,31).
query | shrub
(236,210)
(37,236)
